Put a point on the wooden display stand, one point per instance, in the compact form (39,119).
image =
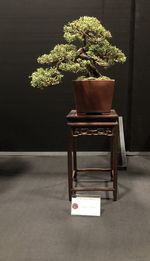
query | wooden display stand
(92,125)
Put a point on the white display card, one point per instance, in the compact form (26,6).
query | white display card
(86,206)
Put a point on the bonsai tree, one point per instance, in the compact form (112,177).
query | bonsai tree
(87,50)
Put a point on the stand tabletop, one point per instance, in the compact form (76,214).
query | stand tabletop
(98,117)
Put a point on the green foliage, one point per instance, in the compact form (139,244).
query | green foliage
(45,77)
(86,51)
(85,28)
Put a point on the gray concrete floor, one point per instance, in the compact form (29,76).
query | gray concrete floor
(35,220)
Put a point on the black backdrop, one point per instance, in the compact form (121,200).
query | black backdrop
(34,120)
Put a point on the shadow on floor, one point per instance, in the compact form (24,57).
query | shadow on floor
(13,167)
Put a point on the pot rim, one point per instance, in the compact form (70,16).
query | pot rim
(111,80)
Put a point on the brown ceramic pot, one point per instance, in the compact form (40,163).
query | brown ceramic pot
(93,96)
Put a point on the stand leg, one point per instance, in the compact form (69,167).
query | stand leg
(70,163)
(75,158)
(114,159)
(111,159)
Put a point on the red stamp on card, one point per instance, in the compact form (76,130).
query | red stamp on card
(74,205)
